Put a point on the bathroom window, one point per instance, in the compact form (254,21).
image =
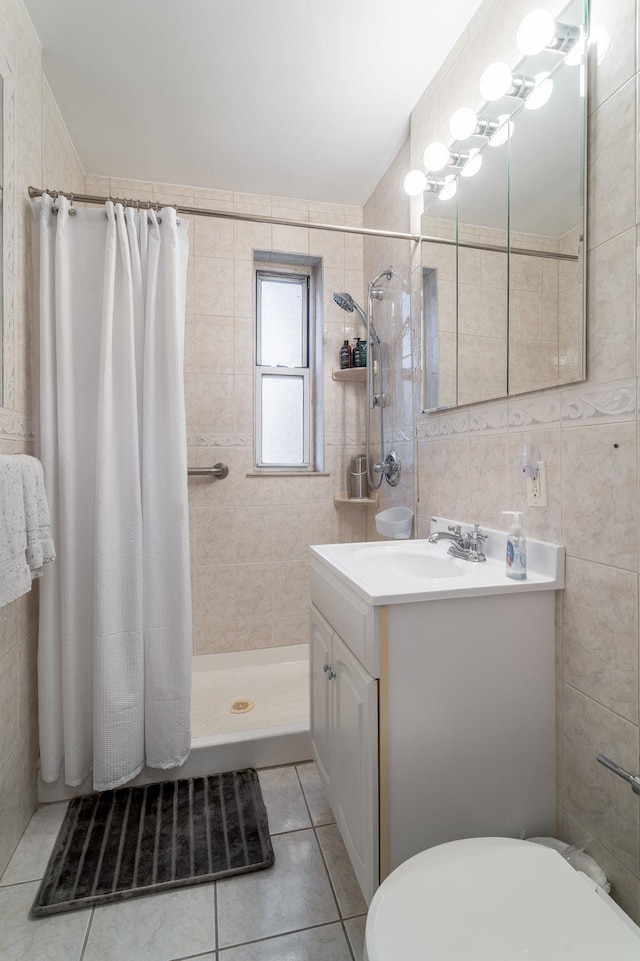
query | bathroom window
(284,366)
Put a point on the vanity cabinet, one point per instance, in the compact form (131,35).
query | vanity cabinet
(344,739)
(431,720)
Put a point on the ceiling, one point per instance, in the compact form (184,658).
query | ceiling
(298,98)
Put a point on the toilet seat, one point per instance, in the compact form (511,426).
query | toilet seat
(495,899)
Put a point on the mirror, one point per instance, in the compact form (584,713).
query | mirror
(503,271)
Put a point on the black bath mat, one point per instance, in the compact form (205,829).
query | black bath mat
(139,840)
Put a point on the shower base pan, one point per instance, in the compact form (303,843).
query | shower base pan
(228,733)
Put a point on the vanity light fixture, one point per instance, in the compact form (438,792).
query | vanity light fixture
(465,123)
(541,92)
(436,156)
(415,183)
(498,81)
(539,31)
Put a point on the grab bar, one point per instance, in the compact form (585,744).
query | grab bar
(218,470)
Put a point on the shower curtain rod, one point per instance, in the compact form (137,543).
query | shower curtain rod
(280,221)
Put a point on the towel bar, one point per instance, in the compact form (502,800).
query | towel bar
(218,470)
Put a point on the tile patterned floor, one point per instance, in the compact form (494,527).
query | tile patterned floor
(308,907)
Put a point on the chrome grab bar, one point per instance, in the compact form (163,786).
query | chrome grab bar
(218,470)
(620,771)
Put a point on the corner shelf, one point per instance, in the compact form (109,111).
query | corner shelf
(353,375)
(343,498)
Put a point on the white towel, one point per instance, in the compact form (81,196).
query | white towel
(15,576)
(40,549)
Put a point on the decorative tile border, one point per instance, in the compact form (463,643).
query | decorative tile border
(15,425)
(534,412)
(597,405)
(218,440)
(491,419)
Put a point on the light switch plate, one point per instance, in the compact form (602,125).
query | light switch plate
(537,487)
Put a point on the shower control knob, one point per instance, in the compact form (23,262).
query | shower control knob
(326,667)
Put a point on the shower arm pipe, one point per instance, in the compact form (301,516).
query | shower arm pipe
(281,221)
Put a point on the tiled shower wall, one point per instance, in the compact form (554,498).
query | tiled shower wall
(588,436)
(38,151)
(251,534)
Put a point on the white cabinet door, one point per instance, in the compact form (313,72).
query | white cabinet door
(354,763)
(320,695)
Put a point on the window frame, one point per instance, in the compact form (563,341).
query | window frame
(303,277)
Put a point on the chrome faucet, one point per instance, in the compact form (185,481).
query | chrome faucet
(464,544)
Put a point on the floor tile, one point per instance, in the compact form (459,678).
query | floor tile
(155,927)
(355,932)
(325,943)
(295,893)
(321,813)
(32,854)
(58,938)
(344,881)
(284,800)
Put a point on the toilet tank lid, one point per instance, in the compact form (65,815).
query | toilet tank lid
(487,898)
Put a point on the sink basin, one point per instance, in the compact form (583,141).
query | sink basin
(404,561)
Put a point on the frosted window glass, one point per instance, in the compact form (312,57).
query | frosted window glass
(282,324)
(282,420)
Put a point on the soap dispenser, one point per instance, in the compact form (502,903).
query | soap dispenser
(516,559)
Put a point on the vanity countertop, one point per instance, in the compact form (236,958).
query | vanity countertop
(397,572)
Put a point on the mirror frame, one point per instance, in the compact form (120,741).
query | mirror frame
(509,249)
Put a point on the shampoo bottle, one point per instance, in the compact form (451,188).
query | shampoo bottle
(516,559)
(345,356)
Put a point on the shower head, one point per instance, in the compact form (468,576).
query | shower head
(347,303)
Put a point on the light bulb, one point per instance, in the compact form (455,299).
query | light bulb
(463,123)
(449,189)
(473,164)
(415,183)
(495,81)
(540,93)
(536,31)
(436,156)
(504,131)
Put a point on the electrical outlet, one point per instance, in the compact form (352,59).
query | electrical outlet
(537,487)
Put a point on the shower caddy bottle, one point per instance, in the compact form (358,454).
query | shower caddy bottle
(345,356)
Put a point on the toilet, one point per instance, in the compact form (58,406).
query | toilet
(495,899)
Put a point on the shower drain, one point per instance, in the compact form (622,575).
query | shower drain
(241,707)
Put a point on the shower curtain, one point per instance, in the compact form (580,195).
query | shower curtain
(114,649)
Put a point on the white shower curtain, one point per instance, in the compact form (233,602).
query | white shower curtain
(114,654)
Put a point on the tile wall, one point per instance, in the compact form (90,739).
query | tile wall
(588,436)
(38,151)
